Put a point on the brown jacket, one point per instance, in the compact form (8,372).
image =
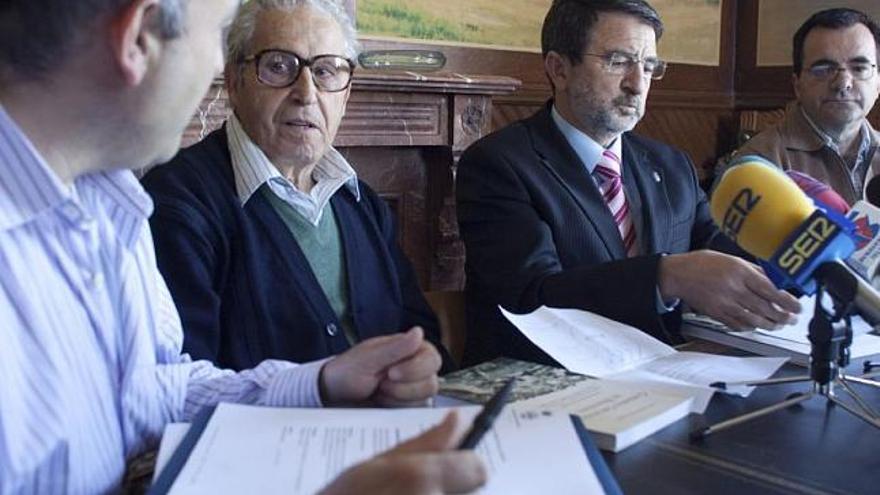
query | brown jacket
(794,144)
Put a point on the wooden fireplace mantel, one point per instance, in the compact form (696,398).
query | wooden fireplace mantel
(403,132)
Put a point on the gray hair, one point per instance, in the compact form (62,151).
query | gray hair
(241,33)
(36,34)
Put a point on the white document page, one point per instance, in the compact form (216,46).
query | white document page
(862,345)
(794,337)
(593,345)
(798,331)
(702,369)
(249,449)
(700,395)
(588,343)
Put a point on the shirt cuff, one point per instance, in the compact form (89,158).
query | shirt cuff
(664,307)
(296,386)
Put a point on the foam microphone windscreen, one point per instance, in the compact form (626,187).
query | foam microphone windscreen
(818,190)
(758,206)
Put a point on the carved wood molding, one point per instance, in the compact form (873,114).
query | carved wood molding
(391,109)
(388,119)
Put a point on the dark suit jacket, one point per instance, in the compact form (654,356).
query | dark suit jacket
(244,289)
(537,232)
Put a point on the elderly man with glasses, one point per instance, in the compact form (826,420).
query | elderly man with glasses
(825,133)
(271,246)
(569,209)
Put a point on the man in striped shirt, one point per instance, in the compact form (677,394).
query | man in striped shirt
(90,361)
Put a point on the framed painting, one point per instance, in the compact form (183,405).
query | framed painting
(692,36)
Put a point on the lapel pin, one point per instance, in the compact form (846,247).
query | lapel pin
(656,176)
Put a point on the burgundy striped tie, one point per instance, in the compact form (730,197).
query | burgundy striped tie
(611,186)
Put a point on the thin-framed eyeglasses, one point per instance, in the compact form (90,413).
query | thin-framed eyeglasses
(620,63)
(860,71)
(280,68)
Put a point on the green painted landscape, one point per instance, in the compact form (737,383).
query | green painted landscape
(491,22)
(692,25)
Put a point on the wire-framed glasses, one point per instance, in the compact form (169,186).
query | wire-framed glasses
(621,63)
(860,71)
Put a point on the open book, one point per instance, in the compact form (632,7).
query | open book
(249,449)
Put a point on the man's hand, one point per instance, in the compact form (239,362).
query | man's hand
(729,289)
(421,466)
(393,370)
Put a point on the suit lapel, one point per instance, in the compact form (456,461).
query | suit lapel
(564,164)
(643,178)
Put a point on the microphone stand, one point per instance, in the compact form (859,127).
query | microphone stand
(830,335)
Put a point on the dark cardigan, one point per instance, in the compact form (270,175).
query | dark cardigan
(243,287)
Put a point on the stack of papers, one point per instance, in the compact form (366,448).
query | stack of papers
(593,345)
(250,449)
(644,384)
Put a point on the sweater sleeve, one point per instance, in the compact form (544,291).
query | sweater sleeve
(416,311)
(188,245)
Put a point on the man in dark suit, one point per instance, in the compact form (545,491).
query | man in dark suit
(569,209)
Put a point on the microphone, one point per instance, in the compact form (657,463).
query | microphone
(865,261)
(766,214)
(872,191)
(819,191)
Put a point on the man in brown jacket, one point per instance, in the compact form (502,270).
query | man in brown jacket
(825,132)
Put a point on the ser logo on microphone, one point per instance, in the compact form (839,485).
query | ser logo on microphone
(819,230)
(743,204)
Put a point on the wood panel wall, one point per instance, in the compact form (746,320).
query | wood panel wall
(691,108)
(695,108)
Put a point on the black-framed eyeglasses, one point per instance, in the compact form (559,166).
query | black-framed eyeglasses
(621,63)
(860,71)
(280,68)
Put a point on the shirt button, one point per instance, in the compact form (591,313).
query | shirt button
(331,329)
(72,212)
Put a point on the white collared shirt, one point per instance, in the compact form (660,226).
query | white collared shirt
(588,150)
(252,168)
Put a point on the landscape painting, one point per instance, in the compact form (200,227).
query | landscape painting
(692,26)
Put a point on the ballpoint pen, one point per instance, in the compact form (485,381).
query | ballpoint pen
(483,422)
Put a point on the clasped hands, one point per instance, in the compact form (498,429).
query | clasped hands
(400,370)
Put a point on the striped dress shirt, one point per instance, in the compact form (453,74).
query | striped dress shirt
(91,368)
(589,151)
